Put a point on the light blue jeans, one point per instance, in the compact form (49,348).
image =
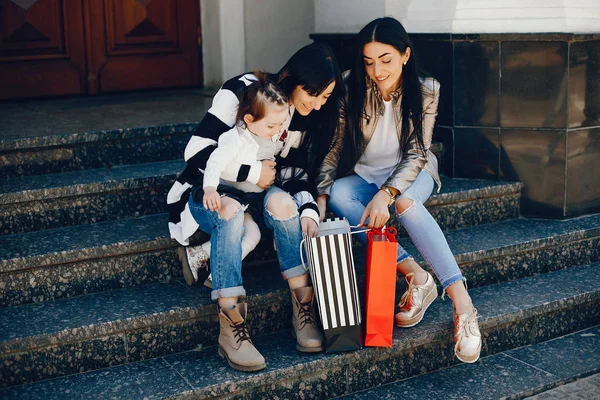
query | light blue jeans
(350,195)
(226,246)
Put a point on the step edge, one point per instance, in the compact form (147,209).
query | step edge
(60,140)
(179,315)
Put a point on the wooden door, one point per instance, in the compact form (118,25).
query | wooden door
(41,48)
(59,47)
(142,44)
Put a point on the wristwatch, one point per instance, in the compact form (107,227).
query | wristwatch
(390,193)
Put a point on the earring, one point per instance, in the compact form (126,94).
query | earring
(404,63)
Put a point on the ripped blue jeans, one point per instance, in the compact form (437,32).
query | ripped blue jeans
(351,194)
(226,245)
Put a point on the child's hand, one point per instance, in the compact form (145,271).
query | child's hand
(212,199)
(309,227)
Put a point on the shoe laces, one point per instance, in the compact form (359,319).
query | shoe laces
(305,314)
(468,326)
(410,278)
(240,332)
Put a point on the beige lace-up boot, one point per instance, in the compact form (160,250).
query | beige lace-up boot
(234,341)
(308,336)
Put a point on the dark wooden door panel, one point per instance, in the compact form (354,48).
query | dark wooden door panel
(41,48)
(142,44)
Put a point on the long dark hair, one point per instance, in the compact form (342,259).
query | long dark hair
(313,68)
(387,31)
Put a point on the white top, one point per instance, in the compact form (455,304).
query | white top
(381,155)
(241,146)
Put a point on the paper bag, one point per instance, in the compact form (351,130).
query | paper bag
(331,266)
(380,286)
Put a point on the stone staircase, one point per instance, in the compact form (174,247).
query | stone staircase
(89,279)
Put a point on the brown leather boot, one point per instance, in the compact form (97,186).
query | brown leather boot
(309,338)
(234,341)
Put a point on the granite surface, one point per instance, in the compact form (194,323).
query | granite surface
(77,183)
(84,242)
(37,244)
(152,379)
(122,253)
(513,374)
(509,237)
(158,143)
(425,348)
(84,197)
(150,315)
(52,122)
(88,276)
(491,378)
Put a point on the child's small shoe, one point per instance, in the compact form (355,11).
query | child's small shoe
(208,281)
(192,259)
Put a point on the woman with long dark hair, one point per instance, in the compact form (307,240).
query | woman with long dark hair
(312,82)
(382,159)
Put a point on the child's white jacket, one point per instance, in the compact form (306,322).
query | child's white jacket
(238,146)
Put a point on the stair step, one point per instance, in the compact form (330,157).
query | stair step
(36,203)
(545,246)
(65,262)
(516,248)
(514,314)
(512,374)
(41,137)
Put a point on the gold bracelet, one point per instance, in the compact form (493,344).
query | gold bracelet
(389,192)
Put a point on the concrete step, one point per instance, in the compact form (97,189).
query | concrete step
(72,261)
(514,314)
(59,135)
(511,374)
(99,149)
(510,251)
(36,203)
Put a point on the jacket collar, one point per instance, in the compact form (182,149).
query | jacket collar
(395,95)
(376,99)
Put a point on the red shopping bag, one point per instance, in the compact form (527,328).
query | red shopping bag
(380,286)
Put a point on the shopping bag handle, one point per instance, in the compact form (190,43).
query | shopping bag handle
(377,230)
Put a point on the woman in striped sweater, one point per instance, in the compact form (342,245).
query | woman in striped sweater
(312,82)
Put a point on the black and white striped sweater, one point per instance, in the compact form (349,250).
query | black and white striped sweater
(219,119)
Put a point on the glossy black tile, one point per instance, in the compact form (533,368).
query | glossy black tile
(445,135)
(342,46)
(435,58)
(476,152)
(476,86)
(537,158)
(534,85)
(583,164)
(584,84)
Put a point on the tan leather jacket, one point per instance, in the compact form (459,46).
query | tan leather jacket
(412,161)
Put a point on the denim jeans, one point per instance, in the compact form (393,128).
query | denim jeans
(350,195)
(226,246)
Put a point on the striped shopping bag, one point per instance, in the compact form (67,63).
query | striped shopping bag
(331,266)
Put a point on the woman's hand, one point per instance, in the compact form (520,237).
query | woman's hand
(322,206)
(211,199)
(309,227)
(377,211)
(267,174)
